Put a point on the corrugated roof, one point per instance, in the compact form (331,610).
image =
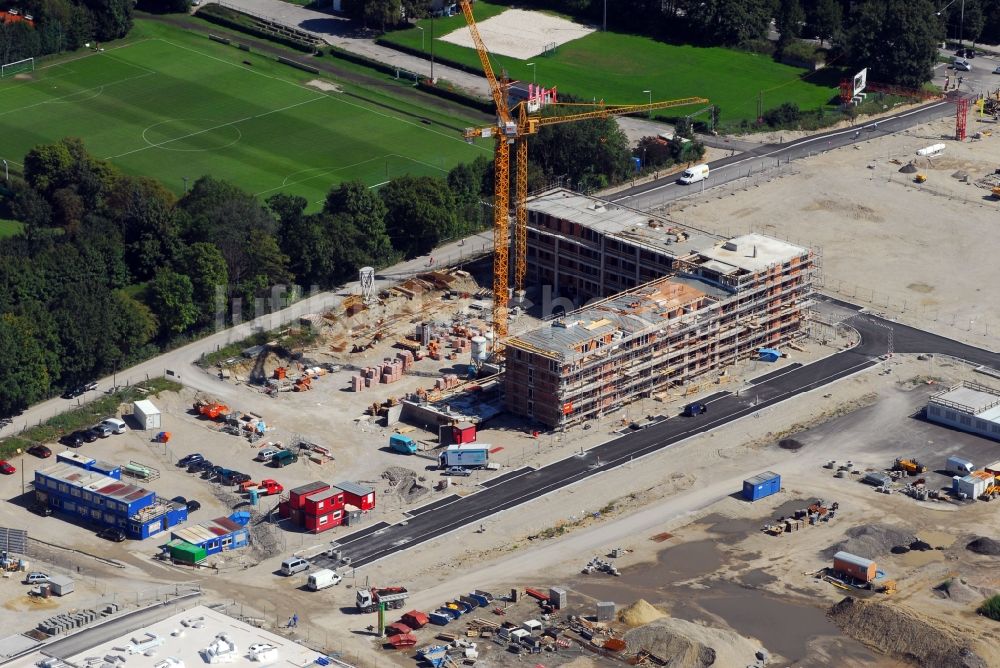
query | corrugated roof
(308,488)
(761,478)
(355,488)
(97,483)
(853,559)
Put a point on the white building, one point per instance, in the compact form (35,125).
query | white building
(967,406)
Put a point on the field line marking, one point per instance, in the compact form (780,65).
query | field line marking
(324,170)
(419,162)
(214,127)
(330,96)
(77,92)
(70,71)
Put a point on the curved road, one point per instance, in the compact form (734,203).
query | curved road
(770,156)
(517,487)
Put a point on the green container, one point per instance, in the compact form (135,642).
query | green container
(185,552)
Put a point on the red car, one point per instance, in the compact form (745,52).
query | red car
(6,467)
(39,450)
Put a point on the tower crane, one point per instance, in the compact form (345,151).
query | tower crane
(513,126)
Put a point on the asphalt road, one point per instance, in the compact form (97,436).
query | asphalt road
(771,156)
(452,513)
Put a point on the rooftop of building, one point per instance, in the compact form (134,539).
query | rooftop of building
(620,221)
(184,636)
(620,316)
(199,533)
(973,398)
(96,483)
(751,252)
(354,488)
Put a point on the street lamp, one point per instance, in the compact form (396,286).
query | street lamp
(533,70)
(650,94)
(421,38)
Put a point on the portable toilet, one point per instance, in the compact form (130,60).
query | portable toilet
(254,496)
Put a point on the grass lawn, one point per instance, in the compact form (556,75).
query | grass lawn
(9,228)
(173,105)
(617,68)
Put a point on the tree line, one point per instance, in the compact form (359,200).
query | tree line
(63,25)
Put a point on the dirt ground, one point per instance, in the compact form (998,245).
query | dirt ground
(913,251)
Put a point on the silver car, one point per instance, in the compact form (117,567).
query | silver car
(36,577)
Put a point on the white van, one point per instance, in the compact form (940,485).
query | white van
(294,565)
(959,466)
(115,425)
(694,174)
(323,578)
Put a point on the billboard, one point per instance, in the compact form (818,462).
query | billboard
(860,81)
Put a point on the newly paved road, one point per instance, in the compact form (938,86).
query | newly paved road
(524,485)
(771,156)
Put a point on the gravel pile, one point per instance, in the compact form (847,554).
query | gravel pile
(872,540)
(396,474)
(984,545)
(904,634)
(639,613)
(687,645)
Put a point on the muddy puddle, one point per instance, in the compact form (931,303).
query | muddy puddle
(798,631)
(915,558)
(936,538)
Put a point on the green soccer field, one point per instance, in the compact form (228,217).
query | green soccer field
(618,68)
(175,106)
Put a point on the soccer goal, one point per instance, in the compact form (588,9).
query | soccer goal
(17,67)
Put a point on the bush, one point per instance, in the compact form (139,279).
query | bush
(804,51)
(782,116)
(991,608)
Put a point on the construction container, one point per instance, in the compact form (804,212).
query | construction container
(877,479)
(993,468)
(606,611)
(761,485)
(60,585)
(557,597)
(972,485)
(854,566)
(186,553)
(146,414)
(463,432)
(415,619)
(297,496)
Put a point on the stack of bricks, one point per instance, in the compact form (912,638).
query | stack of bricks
(407,358)
(357,383)
(446,382)
(391,370)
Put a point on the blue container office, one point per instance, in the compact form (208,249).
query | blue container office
(219,535)
(759,486)
(105,501)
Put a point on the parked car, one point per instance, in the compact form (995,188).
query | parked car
(695,408)
(266,454)
(36,577)
(6,467)
(40,509)
(102,430)
(193,505)
(997,70)
(179,500)
(115,425)
(235,478)
(78,390)
(91,435)
(457,471)
(188,460)
(39,450)
(294,565)
(74,440)
(114,534)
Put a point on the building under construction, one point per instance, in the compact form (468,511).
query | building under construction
(710,302)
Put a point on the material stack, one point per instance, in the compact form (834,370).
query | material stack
(447,382)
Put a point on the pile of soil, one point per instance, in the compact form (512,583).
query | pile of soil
(639,613)
(789,444)
(872,540)
(404,483)
(685,644)
(984,545)
(958,590)
(903,634)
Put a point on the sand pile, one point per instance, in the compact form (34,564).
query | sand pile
(903,634)
(960,591)
(639,613)
(872,540)
(684,644)
(984,545)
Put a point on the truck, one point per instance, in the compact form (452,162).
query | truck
(368,600)
(910,466)
(959,466)
(466,455)
(269,487)
(402,444)
(323,578)
(284,458)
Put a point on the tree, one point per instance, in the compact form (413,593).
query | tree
(173,301)
(897,39)
(367,212)
(164,6)
(382,13)
(732,21)
(788,21)
(826,19)
(203,263)
(143,210)
(590,154)
(112,18)
(24,377)
(420,212)
(132,327)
